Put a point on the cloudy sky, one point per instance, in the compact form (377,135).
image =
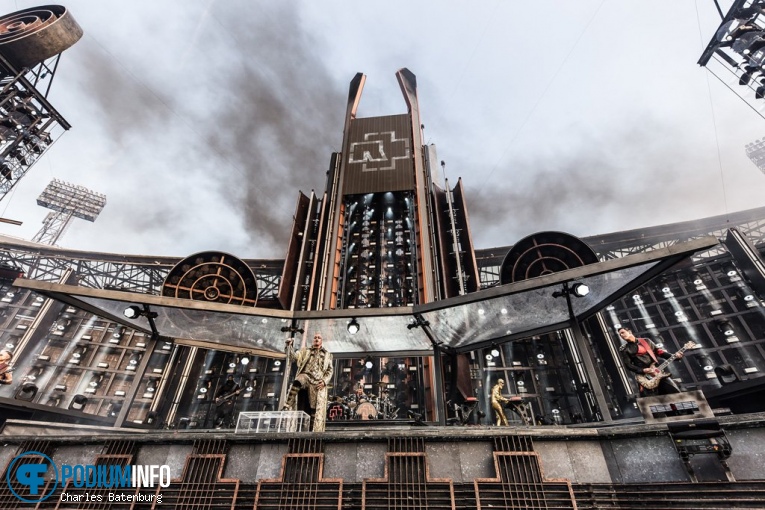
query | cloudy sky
(201,119)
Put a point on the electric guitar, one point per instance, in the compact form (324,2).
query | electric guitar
(225,398)
(651,381)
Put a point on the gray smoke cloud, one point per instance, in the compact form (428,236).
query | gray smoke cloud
(588,187)
(243,117)
(279,104)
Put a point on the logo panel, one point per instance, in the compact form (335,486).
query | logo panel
(31,475)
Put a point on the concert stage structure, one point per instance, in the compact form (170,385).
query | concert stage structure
(421,325)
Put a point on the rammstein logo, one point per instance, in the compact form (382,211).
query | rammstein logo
(373,152)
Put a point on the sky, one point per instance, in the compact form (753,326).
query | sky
(200,120)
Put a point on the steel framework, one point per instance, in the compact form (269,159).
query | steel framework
(135,273)
(620,244)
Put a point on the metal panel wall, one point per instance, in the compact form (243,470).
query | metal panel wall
(379,155)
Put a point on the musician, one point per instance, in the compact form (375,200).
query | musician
(314,371)
(6,377)
(224,402)
(498,401)
(640,355)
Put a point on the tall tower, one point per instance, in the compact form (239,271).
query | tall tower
(31,42)
(383,234)
(755,151)
(67,201)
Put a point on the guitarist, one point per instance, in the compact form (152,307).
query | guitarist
(640,355)
(6,377)
(224,402)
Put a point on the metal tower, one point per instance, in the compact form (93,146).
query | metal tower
(31,42)
(755,151)
(68,201)
(384,234)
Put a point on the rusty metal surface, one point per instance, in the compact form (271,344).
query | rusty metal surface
(31,36)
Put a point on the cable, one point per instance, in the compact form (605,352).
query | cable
(486,179)
(714,118)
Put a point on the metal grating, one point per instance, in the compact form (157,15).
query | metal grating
(303,445)
(519,482)
(406,445)
(513,444)
(202,485)
(407,484)
(301,484)
(665,496)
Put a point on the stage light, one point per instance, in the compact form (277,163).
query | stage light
(27,392)
(725,328)
(114,408)
(133,312)
(245,360)
(78,402)
(576,289)
(495,353)
(580,289)
(353,327)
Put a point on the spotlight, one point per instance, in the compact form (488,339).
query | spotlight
(576,289)
(133,312)
(78,402)
(245,360)
(114,409)
(725,327)
(580,290)
(353,327)
(27,392)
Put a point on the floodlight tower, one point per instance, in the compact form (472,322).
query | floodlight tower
(31,42)
(68,201)
(756,152)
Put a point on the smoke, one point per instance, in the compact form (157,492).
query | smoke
(591,184)
(214,145)
(279,109)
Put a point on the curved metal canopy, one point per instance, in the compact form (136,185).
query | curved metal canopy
(463,323)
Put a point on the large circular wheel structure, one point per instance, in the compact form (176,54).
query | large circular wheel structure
(544,253)
(31,36)
(214,277)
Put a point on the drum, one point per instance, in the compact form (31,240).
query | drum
(366,411)
(351,401)
(338,411)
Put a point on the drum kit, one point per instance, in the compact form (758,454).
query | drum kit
(363,406)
